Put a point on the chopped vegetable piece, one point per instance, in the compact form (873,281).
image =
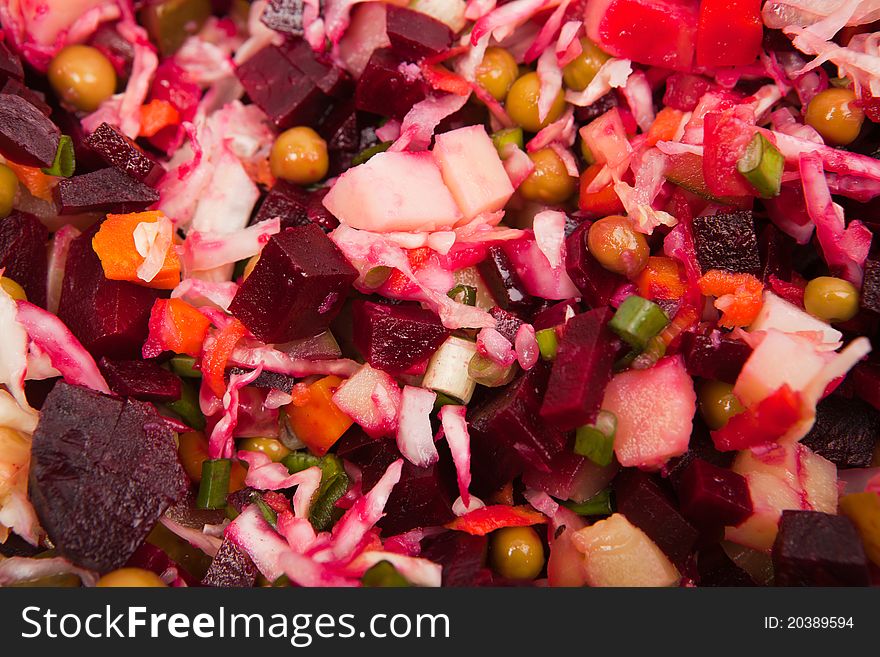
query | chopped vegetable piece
(739,296)
(598,505)
(507,136)
(383,575)
(548,343)
(157,115)
(65,160)
(319,423)
(487,372)
(217,352)
(487,519)
(662,278)
(466,294)
(184,366)
(637,320)
(596,441)
(761,164)
(176,326)
(116,246)
(214,486)
(369,152)
(187,407)
(448,369)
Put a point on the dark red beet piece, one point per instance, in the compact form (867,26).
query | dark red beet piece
(106,191)
(717,569)
(846,432)
(504,283)
(35,98)
(866,383)
(710,496)
(298,286)
(285,16)
(871,286)
(27,136)
(119,151)
(16,546)
(507,324)
(114,465)
(462,556)
(414,35)
(140,379)
(281,90)
(10,64)
(286,201)
(387,88)
(394,338)
(108,317)
(23,254)
(230,568)
(423,496)
(596,284)
(700,447)
(554,315)
(328,77)
(720,358)
(581,370)
(727,241)
(267,379)
(818,549)
(507,435)
(646,505)
(346,135)
(115,47)
(318,214)
(776,254)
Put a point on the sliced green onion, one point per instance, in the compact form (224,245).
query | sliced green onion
(654,351)
(383,575)
(324,512)
(367,153)
(64,163)
(376,277)
(596,441)
(487,372)
(468,294)
(231,512)
(215,484)
(187,407)
(507,136)
(598,505)
(448,368)
(548,343)
(637,320)
(268,512)
(299,461)
(445,400)
(761,164)
(185,366)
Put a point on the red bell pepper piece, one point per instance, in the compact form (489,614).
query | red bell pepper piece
(769,420)
(489,518)
(729,32)
(397,283)
(217,353)
(175,326)
(600,203)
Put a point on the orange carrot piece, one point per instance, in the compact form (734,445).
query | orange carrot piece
(739,296)
(156,115)
(175,326)
(487,519)
(215,355)
(665,125)
(318,422)
(114,244)
(38,183)
(661,279)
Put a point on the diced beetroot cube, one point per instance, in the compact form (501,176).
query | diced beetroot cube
(554,315)
(711,496)
(230,568)
(727,241)
(776,257)
(35,98)
(388,192)
(395,338)
(571,477)
(504,283)
(140,379)
(389,86)
(414,35)
(108,317)
(717,569)
(719,357)
(318,214)
(596,284)
(286,201)
(423,496)
(281,90)
(298,286)
(119,151)
(267,379)
(507,324)
(581,370)
(846,432)
(866,383)
(684,90)
(27,136)
(655,410)
(655,32)
(647,506)
(818,549)
(105,191)
(328,77)
(462,556)
(23,254)
(285,16)
(10,64)
(342,132)
(507,435)
(113,463)
(472,170)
